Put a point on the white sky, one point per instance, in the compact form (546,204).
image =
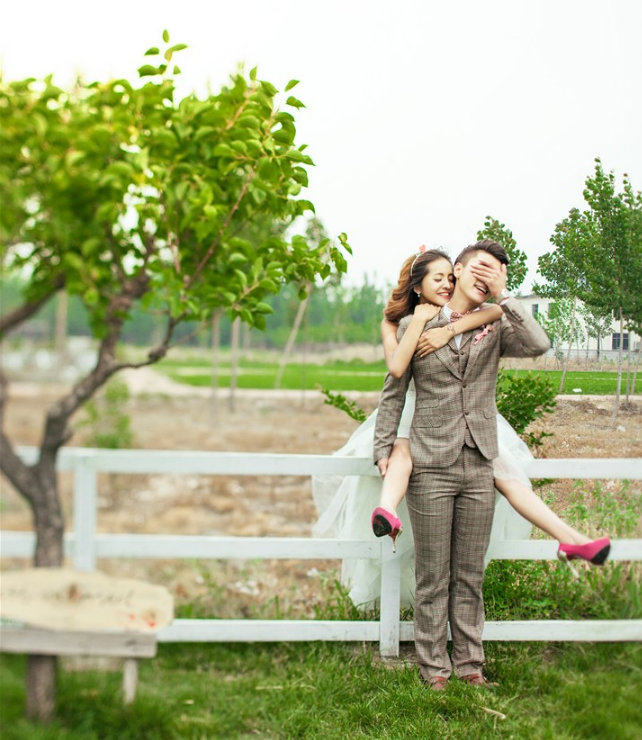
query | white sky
(422,117)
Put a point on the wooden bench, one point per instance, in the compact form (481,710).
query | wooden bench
(120,644)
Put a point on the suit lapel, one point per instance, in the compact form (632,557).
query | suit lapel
(476,349)
(449,357)
(467,337)
(449,354)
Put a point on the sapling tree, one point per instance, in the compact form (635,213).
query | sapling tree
(125,196)
(563,282)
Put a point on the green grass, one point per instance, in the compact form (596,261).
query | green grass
(326,691)
(354,376)
(599,383)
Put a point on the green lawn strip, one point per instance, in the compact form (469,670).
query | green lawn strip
(358,376)
(330,691)
(589,382)
(339,366)
(294,378)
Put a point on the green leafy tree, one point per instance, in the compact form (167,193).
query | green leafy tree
(563,326)
(127,197)
(563,283)
(497,231)
(614,267)
(596,323)
(598,256)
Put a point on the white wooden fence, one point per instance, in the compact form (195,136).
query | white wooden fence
(85,546)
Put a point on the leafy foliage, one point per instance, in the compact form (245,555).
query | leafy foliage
(114,185)
(523,399)
(339,401)
(497,231)
(106,421)
(598,255)
(597,252)
(562,325)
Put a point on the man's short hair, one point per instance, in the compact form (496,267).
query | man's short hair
(485,245)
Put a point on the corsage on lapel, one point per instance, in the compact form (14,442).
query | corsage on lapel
(485,330)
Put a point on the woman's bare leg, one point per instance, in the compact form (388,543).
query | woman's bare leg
(395,482)
(527,503)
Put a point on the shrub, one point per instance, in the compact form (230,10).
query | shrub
(106,422)
(521,400)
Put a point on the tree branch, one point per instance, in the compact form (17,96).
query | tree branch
(221,231)
(57,431)
(14,318)
(21,476)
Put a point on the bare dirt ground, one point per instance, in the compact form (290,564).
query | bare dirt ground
(168,416)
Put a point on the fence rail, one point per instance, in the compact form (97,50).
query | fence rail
(84,545)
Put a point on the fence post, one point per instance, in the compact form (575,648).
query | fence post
(390,600)
(85,504)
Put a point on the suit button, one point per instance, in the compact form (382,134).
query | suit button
(463,385)
(466,412)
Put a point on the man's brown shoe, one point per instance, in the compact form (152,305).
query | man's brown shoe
(476,679)
(437,683)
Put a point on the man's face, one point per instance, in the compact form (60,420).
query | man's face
(471,287)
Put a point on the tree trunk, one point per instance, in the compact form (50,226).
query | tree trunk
(50,527)
(291,339)
(48,520)
(616,405)
(216,347)
(62,320)
(39,486)
(41,687)
(635,370)
(236,330)
(628,373)
(570,346)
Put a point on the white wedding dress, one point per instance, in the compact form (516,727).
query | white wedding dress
(345,505)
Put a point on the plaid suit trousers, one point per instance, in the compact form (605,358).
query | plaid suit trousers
(451,513)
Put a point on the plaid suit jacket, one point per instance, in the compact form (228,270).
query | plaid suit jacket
(455,391)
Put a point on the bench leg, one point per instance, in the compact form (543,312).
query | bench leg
(130,679)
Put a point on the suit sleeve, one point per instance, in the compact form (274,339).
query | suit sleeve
(521,335)
(391,402)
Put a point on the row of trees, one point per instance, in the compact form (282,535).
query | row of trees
(335,313)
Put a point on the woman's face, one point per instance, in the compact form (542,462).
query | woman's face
(438,284)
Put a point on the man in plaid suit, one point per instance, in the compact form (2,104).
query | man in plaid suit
(453,440)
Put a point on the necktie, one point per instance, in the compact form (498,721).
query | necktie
(455,316)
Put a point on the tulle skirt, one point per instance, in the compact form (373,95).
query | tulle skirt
(345,505)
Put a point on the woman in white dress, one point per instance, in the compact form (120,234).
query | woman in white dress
(425,285)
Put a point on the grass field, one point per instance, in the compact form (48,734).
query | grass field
(322,691)
(355,376)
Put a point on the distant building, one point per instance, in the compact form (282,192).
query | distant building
(594,348)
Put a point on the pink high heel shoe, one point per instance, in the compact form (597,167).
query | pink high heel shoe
(385,523)
(595,552)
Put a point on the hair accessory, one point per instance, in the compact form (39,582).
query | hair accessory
(422,249)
